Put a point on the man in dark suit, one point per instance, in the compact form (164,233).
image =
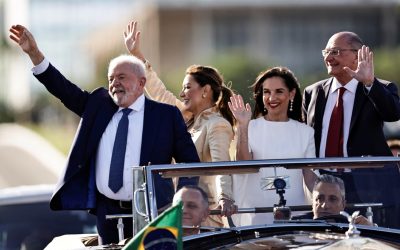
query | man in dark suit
(367,102)
(154,133)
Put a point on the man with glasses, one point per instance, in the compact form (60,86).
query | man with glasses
(347,112)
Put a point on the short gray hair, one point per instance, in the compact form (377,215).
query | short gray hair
(352,39)
(327,178)
(137,65)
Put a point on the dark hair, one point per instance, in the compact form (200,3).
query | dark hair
(291,83)
(221,94)
(327,178)
(202,192)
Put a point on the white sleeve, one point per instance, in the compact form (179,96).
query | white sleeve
(41,67)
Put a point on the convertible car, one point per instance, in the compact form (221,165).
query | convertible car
(334,232)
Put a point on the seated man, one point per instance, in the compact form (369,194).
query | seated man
(195,208)
(328,199)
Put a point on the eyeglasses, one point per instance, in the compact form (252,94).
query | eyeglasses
(334,52)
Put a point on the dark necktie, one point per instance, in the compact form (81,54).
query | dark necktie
(334,141)
(115,178)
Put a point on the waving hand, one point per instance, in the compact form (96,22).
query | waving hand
(240,111)
(25,40)
(365,68)
(132,40)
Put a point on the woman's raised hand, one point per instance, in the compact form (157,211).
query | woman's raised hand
(132,40)
(241,111)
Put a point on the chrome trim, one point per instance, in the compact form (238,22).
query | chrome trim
(231,167)
(136,198)
(151,206)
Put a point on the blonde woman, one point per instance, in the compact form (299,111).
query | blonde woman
(204,104)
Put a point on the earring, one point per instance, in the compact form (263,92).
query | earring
(291,105)
(265,109)
(203,95)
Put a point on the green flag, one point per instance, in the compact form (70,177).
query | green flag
(165,232)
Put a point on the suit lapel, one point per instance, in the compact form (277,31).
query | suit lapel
(100,123)
(359,101)
(320,104)
(149,134)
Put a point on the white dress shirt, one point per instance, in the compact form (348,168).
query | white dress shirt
(105,148)
(41,67)
(348,103)
(132,155)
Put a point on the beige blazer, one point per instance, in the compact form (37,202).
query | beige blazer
(211,133)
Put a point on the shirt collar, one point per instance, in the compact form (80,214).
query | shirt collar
(351,86)
(138,105)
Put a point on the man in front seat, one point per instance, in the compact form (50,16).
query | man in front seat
(195,208)
(328,199)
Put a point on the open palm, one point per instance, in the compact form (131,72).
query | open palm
(132,40)
(240,111)
(365,67)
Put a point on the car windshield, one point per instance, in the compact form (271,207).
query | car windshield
(262,200)
(276,209)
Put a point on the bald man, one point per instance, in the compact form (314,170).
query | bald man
(195,208)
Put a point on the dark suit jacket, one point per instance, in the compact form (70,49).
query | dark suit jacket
(164,137)
(366,136)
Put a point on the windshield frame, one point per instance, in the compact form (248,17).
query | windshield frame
(251,166)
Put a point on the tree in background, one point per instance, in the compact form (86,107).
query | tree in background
(386,61)
(239,73)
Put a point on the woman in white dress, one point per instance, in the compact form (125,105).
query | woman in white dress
(276,132)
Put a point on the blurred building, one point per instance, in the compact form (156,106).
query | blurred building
(63,30)
(77,36)
(281,32)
